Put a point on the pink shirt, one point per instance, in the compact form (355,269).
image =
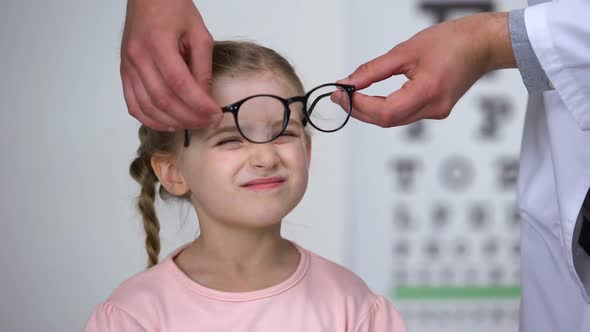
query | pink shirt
(319,296)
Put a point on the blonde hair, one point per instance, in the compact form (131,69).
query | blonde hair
(229,57)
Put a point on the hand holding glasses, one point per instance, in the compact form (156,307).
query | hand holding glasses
(262,118)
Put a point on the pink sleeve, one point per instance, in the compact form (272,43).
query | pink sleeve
(109,318)
(381,317)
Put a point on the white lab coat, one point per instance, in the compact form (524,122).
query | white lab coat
(555,170)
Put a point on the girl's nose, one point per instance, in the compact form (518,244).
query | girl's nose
(263,155)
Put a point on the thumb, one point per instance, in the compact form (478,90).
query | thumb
(336,97)
(376,70)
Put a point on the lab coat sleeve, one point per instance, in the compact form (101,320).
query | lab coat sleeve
(559,33)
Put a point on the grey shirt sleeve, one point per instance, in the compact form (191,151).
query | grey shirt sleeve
(533,75)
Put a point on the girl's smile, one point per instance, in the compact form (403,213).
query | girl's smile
(262,184)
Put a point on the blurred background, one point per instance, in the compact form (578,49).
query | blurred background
(425,214)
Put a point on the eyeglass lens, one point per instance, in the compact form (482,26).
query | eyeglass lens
(323,113)
(261,118)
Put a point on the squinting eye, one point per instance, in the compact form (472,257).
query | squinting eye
(287,136)
(289,133)
(229,141)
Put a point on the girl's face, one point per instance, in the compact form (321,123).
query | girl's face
(236,182)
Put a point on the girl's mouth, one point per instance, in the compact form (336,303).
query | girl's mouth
(264,183)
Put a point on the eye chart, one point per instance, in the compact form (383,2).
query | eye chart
(434,220)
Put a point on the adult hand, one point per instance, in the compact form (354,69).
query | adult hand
(166,65)
(441,63)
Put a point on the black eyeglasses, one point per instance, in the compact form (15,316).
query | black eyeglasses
(262,118)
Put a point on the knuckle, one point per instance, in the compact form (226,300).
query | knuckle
(206,39)
(153,39)
(144,105)
(133,50)
(364,68)
(176,82)
(441,112)
(397,48)
(206,83)
(149,111)
(445,113)
(391,123)
(134,112)
(385,119)
(429,90)
(162,100)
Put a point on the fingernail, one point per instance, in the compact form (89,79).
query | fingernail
(215,118)
(335,97)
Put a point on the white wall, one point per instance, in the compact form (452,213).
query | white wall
(69,232)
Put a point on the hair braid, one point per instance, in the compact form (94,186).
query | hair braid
(141,170)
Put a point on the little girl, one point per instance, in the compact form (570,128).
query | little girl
(239,274)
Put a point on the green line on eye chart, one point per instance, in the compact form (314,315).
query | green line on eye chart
(447,293)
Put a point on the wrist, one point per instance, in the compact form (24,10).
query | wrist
(500,54)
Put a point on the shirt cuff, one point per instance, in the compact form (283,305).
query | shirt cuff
(533,75)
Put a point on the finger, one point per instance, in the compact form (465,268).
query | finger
(412,119)
(378,69)
(341,98)
(378,122)
(430,111)
(201,53)
(397,106)
(365,118)
(385,124)
(179,80)
(135,110)
(147,106)
(344,103)
(163,101)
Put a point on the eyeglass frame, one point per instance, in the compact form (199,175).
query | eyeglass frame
(235,107)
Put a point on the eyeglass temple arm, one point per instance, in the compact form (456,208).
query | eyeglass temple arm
(320,97)
(317,100)
(186,138)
